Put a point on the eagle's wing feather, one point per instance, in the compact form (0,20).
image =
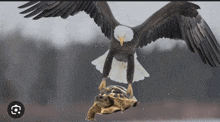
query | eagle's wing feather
(100,11)
(180,20)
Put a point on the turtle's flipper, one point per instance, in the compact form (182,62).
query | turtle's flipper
(102,85)
(92,111)
(120,105)
(122,109)
(130,90)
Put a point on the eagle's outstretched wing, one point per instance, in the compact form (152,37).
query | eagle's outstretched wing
(181,20)
(100,11)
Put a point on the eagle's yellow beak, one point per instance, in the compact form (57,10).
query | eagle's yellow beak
(121,39)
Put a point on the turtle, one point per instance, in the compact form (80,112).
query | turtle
(110,100)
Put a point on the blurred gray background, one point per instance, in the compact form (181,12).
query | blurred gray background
(46,65)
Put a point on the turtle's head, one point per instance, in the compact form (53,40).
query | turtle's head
(123,34)
(103,100)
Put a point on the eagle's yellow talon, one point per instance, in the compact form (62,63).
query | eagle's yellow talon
(102,85)
(130,90)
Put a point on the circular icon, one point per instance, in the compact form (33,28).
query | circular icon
(16,109)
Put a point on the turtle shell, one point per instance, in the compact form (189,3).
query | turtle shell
(114,99)
(111,100)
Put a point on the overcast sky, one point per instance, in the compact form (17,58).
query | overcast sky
(82,28)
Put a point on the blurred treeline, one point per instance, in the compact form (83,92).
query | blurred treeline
(36,72)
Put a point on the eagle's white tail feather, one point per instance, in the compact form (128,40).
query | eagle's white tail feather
(118,71)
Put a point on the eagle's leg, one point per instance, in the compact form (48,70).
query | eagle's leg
(130,74)
(106,70)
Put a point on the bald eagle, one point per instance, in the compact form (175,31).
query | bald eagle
(176,20)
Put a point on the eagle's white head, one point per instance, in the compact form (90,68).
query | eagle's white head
(123,34)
